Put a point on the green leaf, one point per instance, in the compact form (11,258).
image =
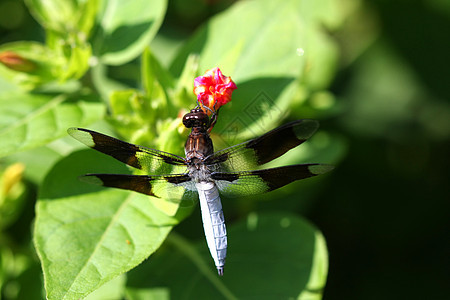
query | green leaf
(114,289)
(255,39)
(265,38)
(35,120)
(322,60)
(146,122)
(270,256)
(134,116)
(258,106)
(75,51)
(267,47)
(35,64)
(86,235)
(126,28)
(157,82)
(153,72)
(68,25)
(183,95)
(246,41)
(36,169)
(65,16)
(105,85)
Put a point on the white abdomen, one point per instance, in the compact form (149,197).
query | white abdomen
(213,222)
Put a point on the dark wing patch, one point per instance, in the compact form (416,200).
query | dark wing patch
(146,159)
(236,184)
(253,153)
(169,187)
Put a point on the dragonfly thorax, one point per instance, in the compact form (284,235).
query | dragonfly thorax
(198,145)
(198,171)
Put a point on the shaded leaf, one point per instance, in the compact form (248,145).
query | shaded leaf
(270,256)
(265,46)
(378,97)
(103,83)
(65,16)
(126,28)
(258,106)
(245,41)
(255,39)
(154,75)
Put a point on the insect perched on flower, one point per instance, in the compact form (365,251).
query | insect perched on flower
(213,90)
(231,172)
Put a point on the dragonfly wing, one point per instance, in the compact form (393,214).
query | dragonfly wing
(149,160)
(178,187)
(236,184)
(253,153)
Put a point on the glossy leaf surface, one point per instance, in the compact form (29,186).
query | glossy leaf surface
(35,120)
(86,235)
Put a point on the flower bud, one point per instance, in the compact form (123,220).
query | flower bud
(16,62)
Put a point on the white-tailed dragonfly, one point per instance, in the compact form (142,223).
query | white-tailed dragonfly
(232,171)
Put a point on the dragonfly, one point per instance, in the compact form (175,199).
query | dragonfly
(204,174)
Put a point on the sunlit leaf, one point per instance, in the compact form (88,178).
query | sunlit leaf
(87,235)
(43,64)
(35,120)
(36,169)
(76,53)
(31,64)
(114,289)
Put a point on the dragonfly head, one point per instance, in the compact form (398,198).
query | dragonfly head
(196,118)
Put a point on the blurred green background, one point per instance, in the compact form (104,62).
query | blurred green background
(385,209)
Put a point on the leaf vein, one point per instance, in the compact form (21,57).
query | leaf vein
(100,242)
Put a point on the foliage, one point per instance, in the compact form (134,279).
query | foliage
(85,75)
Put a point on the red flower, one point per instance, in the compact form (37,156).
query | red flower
(213,89)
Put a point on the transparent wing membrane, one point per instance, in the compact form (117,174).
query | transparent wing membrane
(175,188)
(149,160)
(236,184)
(253,153)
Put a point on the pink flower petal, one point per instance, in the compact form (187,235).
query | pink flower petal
(213,89)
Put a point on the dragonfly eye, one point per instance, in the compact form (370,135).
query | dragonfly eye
(195,118)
